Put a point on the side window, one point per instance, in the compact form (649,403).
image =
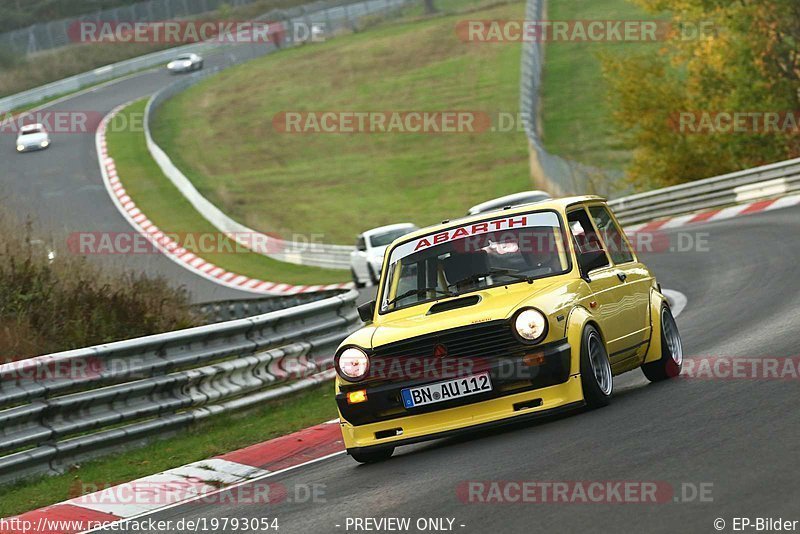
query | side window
(590,251)
(612,235)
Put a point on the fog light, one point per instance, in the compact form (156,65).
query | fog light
(533,360)
(354,397)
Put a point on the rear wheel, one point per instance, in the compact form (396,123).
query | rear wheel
(671,361)
(596,378)
(372,456)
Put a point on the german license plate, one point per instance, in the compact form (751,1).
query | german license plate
(445,391)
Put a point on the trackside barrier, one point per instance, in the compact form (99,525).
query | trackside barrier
(59,409)
(737,187)
(228,310)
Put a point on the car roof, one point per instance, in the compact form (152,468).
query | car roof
(552,204)
(29,127)
(388,228)
(499,202)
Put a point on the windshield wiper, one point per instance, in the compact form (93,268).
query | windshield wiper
(413,292)
(512,273)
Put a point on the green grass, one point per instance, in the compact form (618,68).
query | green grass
(220,132)
(215,436)
(168,209)
(576,115)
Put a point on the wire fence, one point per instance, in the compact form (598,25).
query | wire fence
(553,173)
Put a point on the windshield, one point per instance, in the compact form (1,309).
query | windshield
(183,58)
(381,240)
(30,131)
(475,256)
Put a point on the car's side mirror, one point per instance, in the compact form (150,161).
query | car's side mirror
(591,260)
(361,246)
(367,311)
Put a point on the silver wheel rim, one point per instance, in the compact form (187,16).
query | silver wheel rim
(600,364)
(672,337)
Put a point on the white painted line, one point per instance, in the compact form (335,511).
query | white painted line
(677,301)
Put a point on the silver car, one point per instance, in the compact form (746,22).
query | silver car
(517,199)
(185,63)
(32,137)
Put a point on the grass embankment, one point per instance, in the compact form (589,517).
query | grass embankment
(220,132)
(218,435)
(576,113)
(51,304)
(168,209)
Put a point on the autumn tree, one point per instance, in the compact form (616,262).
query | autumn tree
(721,57)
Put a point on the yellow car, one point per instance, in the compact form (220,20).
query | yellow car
(498,318)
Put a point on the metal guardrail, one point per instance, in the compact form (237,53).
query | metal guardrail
(62,408)
(229,310)
(743,186)
(333,19)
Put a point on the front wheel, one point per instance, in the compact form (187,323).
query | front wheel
(372,456)
(596,378)
(671,361)
(359,284)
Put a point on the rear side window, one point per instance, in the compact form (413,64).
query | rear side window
(612,235)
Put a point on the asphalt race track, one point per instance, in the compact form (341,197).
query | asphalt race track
(738,437)
(61,188)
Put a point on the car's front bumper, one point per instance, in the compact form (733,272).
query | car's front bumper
(382,421)
(32,148)
(465,419)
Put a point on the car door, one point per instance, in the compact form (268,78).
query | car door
(607,300)
(636,280)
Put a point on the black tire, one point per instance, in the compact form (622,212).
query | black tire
(596,377)
(372,456)
(670,363)
(359,285)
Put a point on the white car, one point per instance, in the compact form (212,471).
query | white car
(367,260)
(32,137)
(517,199)
(185,63)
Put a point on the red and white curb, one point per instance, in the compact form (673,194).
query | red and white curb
(171,248)
(715,215)
(193,482)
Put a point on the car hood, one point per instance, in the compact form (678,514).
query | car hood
(495,303)
(377,253)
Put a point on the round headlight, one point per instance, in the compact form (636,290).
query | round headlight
(352,364)
(531,325)
(20,148)
(45,144)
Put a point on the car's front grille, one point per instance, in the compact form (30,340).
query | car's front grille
(484,340)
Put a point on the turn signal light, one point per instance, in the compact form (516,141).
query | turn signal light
(533,360)
(354,397)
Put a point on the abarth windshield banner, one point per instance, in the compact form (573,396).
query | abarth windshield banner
(475,230)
